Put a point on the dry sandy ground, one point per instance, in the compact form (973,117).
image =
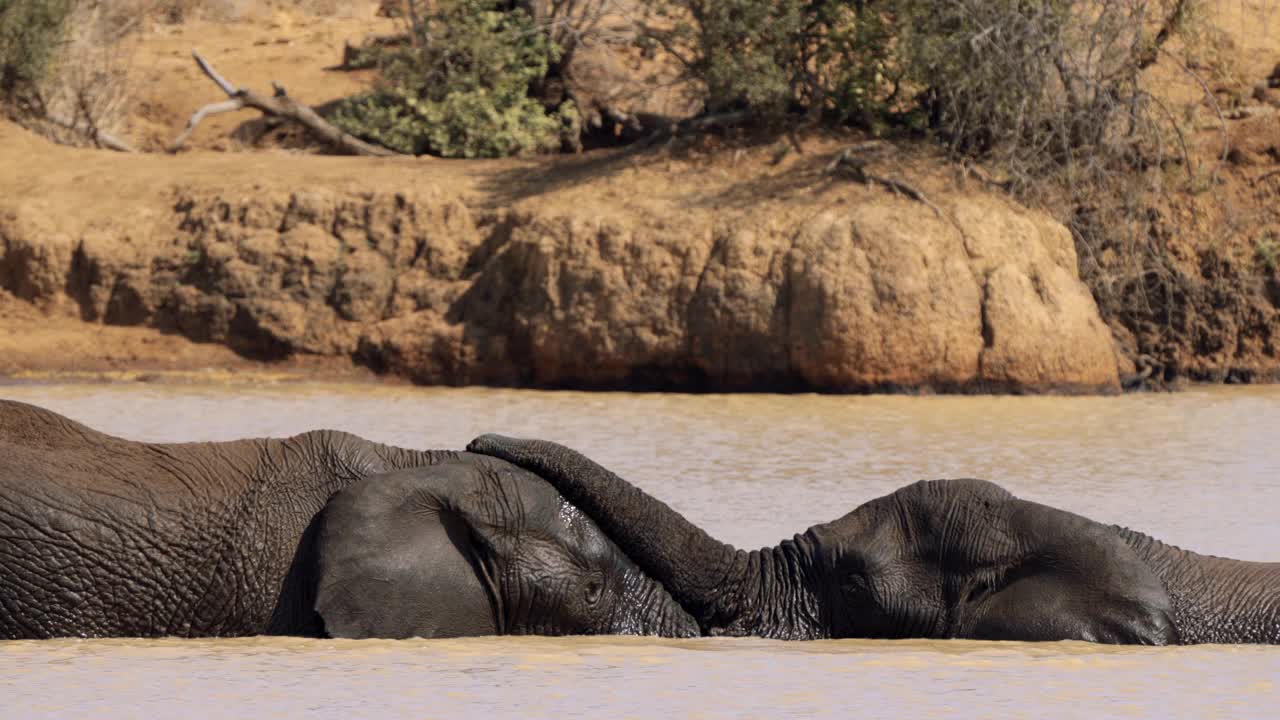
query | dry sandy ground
(299,50)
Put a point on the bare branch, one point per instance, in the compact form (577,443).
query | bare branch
(1182,140)
(1213,103)
(222,82)
(1170,25)
(700,123)
(211,109)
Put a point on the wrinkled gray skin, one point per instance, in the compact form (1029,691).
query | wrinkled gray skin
(104,537)
(509,555)
(940,559)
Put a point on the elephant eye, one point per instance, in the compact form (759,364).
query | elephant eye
(856,586)
(593,590)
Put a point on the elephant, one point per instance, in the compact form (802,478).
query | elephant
(958,558)
(321,534)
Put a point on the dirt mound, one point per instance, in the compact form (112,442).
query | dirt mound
(599,271)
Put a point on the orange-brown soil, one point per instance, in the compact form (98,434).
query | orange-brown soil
(54,343)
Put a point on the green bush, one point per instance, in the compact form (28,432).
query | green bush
(770,57)
(31,36)
(462,87)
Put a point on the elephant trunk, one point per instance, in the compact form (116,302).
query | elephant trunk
(646,608)
(707,577)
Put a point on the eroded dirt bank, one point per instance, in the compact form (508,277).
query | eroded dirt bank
(658,273)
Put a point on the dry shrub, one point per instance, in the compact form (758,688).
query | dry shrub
(90,84)
(1058,97)
(32,34)
(1042,87)
(81,85)
(573,24)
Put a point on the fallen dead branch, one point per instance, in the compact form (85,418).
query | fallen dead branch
(278,105)
(852,163)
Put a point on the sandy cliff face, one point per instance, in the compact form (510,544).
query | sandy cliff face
(505,275)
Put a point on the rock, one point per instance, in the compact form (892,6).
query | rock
(881,300)
(881,295)
(34,255)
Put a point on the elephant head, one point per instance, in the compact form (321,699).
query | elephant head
(477,547)
(951,558)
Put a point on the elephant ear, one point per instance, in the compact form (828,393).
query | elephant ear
(401,555)
(1071,578)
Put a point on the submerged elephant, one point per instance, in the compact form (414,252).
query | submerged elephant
(940,559)
(322,533)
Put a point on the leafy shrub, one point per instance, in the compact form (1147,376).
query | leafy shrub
(461,88)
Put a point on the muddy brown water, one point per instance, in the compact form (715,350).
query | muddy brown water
(1200,469)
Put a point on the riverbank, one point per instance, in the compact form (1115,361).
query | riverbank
(711,270)
(719,265)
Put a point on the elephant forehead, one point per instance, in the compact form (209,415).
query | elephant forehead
(921,517)
(936,504)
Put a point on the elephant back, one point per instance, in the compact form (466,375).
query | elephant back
(23,425)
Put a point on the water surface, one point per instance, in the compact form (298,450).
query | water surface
(1200,469)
